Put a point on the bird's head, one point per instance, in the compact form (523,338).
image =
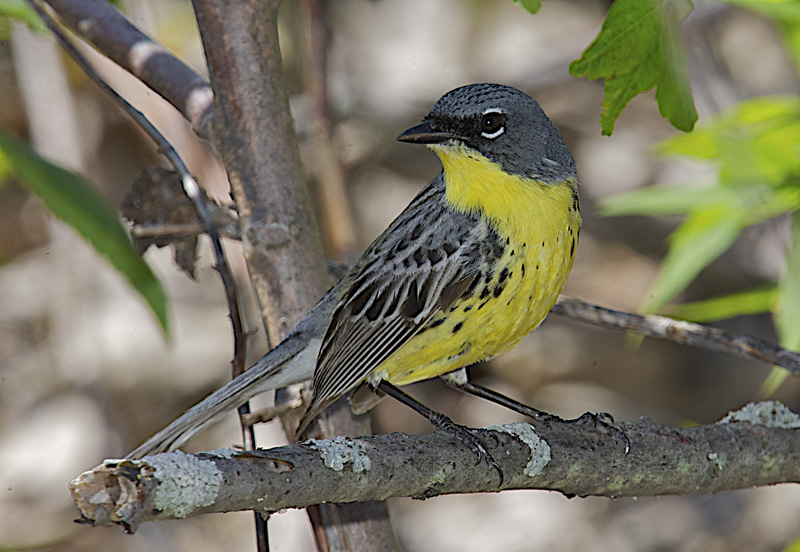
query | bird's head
(502,124)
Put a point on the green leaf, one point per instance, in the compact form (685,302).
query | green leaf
(6,172)
(773,382)
(754,204)
(640,47)
(673,92)
(715,218)
(764,203)
(703,237)
(530,5)
(21,11)
(753,301)
(665,199)
(756,146)
(80,206)
(790,29)
(758,140)
(787,311)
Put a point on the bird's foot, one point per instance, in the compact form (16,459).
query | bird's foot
(603,421)
(473,438)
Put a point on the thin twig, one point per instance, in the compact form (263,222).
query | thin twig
(270,413)
(679,331)
(190,185)
(179,230)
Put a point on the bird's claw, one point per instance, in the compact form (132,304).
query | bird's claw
(469,437)
(604,421)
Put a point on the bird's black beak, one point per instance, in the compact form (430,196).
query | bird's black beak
(424,133)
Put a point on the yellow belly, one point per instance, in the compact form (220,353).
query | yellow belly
(539,225)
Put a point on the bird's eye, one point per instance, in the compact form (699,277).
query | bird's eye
(492,123)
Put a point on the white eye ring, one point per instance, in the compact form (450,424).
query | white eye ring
(499,131)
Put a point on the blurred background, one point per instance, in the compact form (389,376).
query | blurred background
(85,373)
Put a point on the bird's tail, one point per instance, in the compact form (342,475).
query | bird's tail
(290,362)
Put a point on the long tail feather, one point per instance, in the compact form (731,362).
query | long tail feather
(291,362)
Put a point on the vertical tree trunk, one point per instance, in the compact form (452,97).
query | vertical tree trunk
(253,133)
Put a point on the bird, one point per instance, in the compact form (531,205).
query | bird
(469,268)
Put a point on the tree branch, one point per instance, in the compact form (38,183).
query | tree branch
(679,331)
(757,445)
(101,25)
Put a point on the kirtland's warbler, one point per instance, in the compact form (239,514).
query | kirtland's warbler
(471,266)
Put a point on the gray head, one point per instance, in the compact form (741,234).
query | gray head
(503,124)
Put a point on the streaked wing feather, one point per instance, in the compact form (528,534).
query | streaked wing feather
(376,350)
(421,264)
(361,345)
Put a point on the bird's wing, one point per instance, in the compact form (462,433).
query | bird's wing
(420,265)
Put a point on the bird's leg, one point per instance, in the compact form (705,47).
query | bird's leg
(459,380)
(466,435)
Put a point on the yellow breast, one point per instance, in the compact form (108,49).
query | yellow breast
(538,224)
